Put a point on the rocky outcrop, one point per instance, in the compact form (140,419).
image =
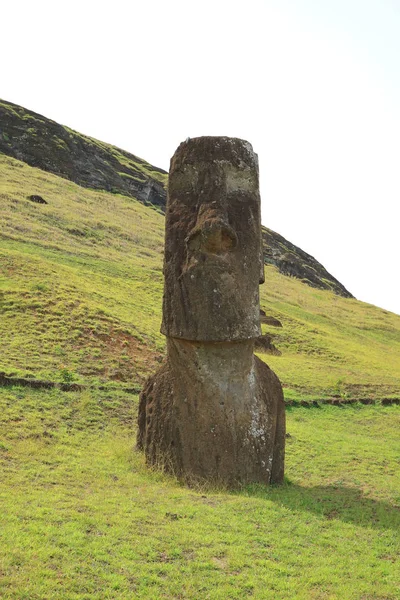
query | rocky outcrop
(294,262)
(43,143)
(213,411)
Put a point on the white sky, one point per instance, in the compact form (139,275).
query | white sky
(313,85)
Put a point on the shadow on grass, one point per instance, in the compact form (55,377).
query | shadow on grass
(332,502)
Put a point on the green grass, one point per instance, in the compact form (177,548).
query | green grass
(81,289)
(331,345)
(83,518)
(79,279)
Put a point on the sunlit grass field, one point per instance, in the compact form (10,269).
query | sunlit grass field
(81,288)
(83,518)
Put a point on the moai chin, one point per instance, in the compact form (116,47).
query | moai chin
(213,411)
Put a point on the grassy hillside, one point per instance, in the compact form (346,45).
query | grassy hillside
(43,143)
(81,288)
(331,345)
(83,519)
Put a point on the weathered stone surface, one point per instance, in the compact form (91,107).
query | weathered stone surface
(213,260)
(213,411)
(294,262)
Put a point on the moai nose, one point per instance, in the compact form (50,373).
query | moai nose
(213,237)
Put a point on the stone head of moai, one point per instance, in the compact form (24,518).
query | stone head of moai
(213,259)
(213,411)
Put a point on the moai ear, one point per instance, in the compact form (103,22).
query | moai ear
(262,265)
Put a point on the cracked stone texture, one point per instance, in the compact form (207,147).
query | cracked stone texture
(213,411)
(213,257)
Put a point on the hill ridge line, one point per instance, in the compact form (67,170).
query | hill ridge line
(43,143)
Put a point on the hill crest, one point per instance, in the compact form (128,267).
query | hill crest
(43,143)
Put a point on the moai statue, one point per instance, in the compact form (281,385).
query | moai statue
(213,411)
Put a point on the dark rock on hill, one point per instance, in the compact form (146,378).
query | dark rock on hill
(269,320)
(37,199)
(264,344)
(43,143)
(294,262)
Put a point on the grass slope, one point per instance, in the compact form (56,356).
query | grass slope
(82,518)
(81,288)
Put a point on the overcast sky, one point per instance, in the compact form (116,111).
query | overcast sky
(313,85)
